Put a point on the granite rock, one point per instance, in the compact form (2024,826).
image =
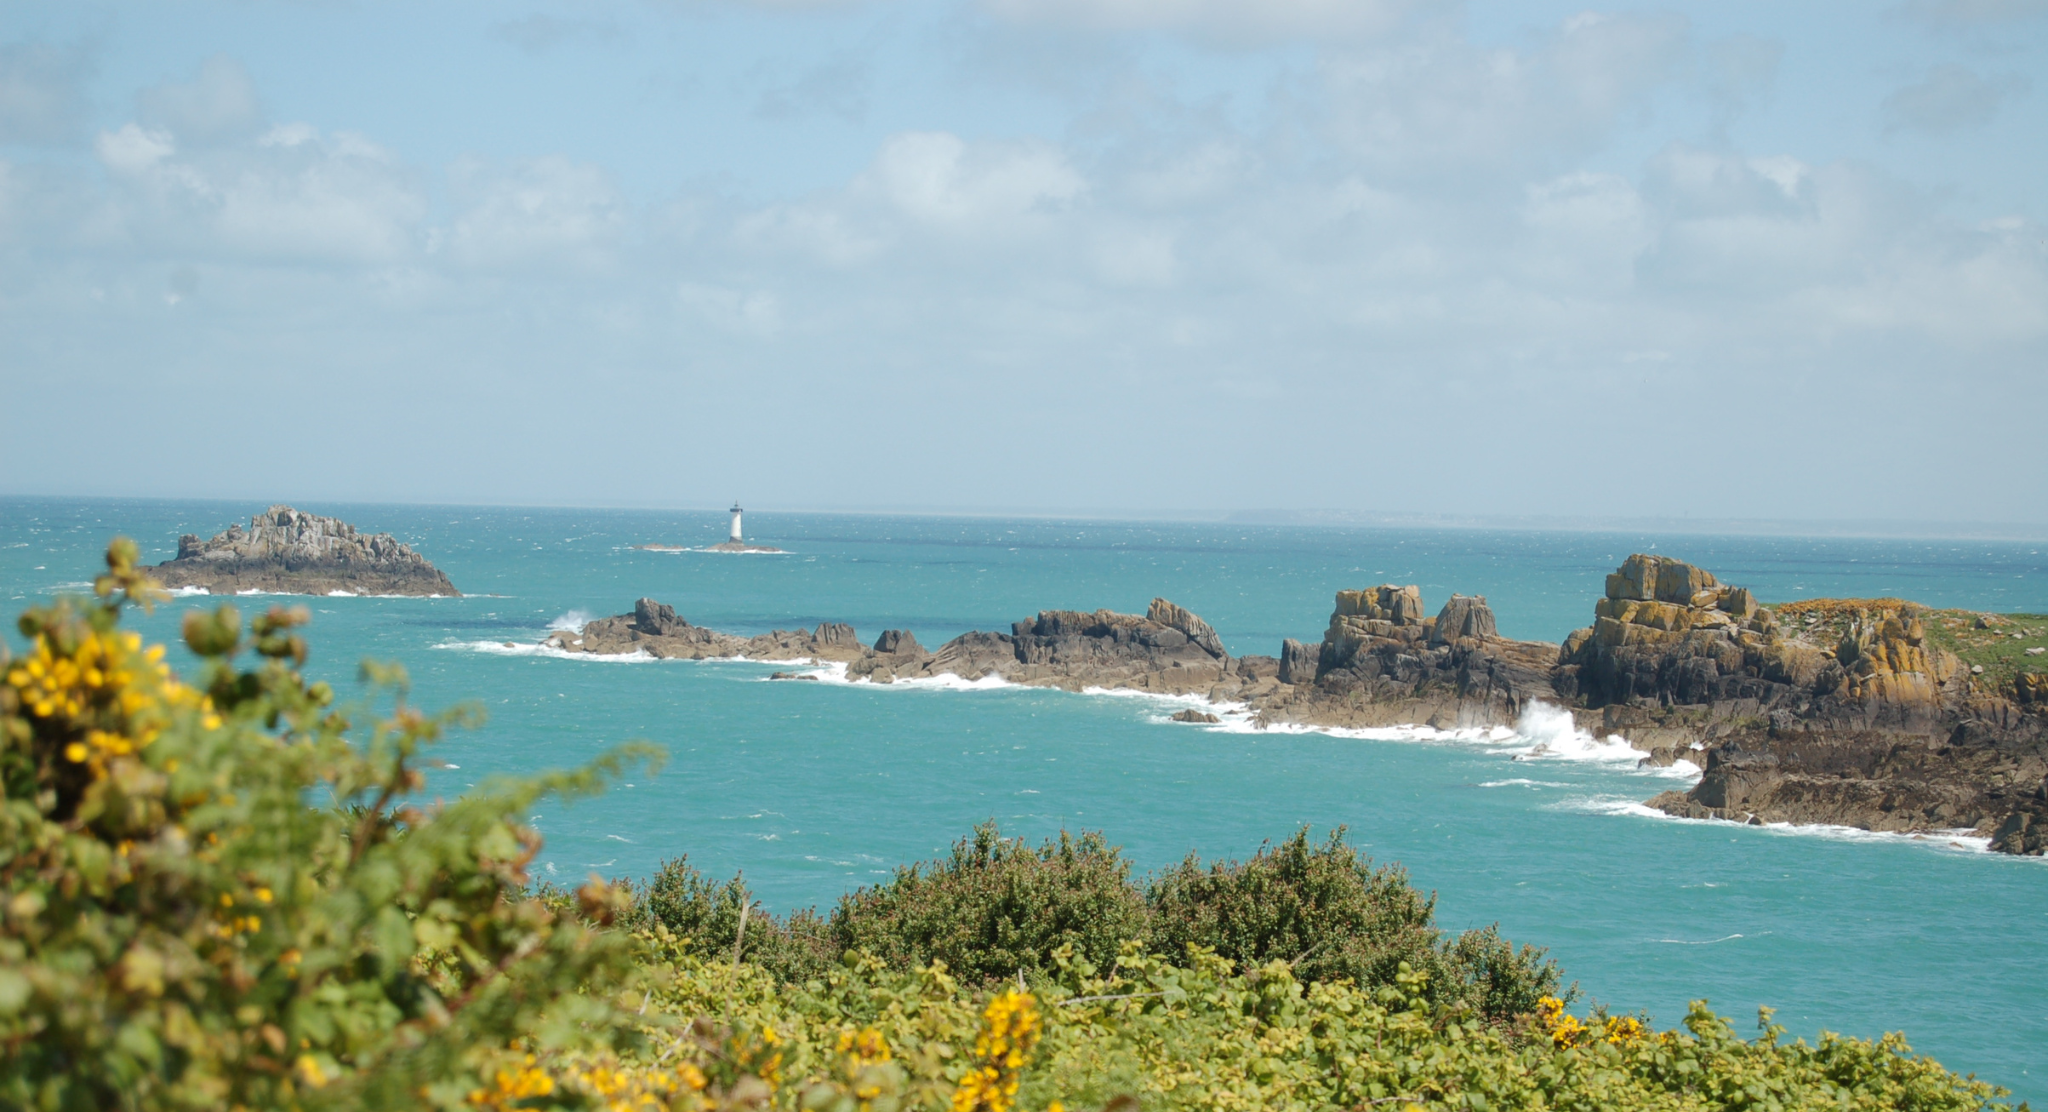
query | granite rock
(287,551)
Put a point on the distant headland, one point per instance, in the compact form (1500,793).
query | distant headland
(1873,713)
(287,551)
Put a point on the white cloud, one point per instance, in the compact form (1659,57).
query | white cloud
(1439,104)
(938,179)
(131,150)
(219,103)
(1128,256)
(750,312)
(542,209)
(42,93)
(1233,22)
(1949,99)
(338,198)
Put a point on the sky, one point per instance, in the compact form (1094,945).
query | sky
(1726,260)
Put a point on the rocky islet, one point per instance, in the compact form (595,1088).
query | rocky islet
(288,551)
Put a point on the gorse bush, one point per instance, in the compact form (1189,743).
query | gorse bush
(1331,916)
(723,918)
(183,931)
(222,893)
(998,907)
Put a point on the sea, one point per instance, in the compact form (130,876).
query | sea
(813,789)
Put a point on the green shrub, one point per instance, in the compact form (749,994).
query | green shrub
(215,898)
(1331,916)
(705,915)
(997,907)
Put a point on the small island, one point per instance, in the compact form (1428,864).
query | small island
(733,543)
(286,551)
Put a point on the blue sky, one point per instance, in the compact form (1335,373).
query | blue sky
(1402,256)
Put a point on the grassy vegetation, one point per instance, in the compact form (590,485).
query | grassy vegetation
(1997,643)
(222,893)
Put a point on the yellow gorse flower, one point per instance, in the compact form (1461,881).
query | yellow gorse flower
(1010,1028)
(1568,1031)
(103,690)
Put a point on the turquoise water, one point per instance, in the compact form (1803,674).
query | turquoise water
(813,789)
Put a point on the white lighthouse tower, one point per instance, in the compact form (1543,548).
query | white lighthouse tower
(736,523)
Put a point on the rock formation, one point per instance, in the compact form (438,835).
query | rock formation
(654,628)
(1848,713)
(1858,721)
(1383,663)
(287,551)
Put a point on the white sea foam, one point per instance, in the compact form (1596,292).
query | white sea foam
(944,681)
(528,648)
(341,594)
(1521,783)
(573,621)
(1959,839)
(188,592)
(1699,942)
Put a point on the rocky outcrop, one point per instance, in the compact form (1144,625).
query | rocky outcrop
(655,629)
(287,551)
(1840,711)
(1859,720)
(1167,649)
(1382,662)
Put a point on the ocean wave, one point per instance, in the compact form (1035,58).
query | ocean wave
(944,681)
(510,648)
(1542,733)
(573,621)
(1522,783)
(1952,840)
(1700,942)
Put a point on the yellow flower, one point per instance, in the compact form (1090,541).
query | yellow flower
(1009,1031)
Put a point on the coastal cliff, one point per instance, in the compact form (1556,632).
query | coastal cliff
(1860,713)
(287,551)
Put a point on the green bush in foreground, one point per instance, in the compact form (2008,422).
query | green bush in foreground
(219,895)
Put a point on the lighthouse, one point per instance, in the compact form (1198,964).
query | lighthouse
(735,523)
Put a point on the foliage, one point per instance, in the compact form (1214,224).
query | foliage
(183,931)
(1206,1035)
(221,895)
(707,915)
(997,907)
(1331,916)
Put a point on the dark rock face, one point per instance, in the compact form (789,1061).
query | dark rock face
(1382,663)
(654,628)
(898,642)
(1197,716)
(284,550)
(1298,662)
(657,618)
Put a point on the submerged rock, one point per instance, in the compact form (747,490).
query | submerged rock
(292,552)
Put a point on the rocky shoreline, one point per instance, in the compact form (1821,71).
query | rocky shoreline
(1866,722)
(286,551)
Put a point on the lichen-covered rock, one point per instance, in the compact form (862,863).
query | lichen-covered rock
(288,551)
